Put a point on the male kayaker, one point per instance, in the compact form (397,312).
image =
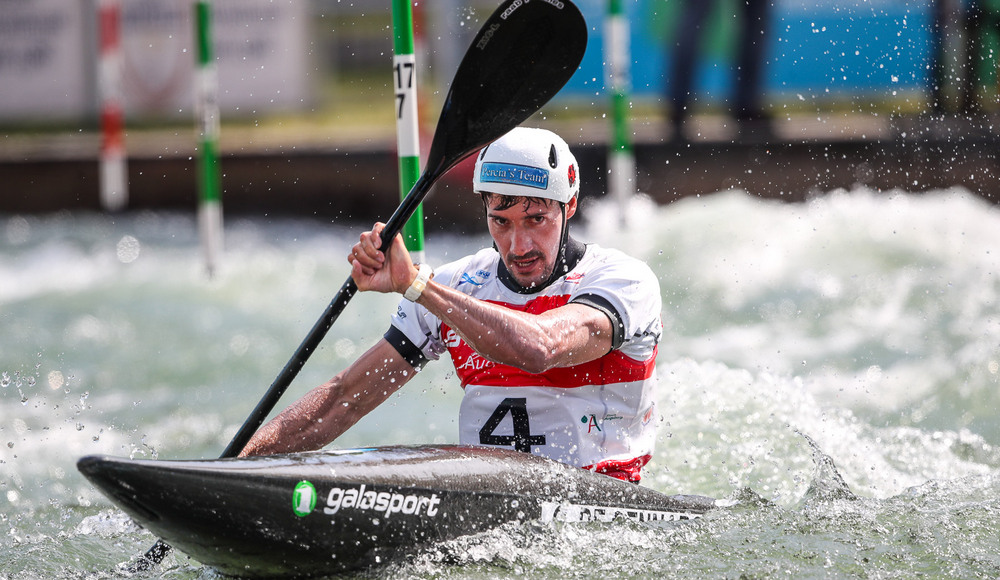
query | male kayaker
(554,341)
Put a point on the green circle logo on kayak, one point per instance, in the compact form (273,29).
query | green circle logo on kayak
(304,499)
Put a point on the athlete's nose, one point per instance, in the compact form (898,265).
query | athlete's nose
(520,242)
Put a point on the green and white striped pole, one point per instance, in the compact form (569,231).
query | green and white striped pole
(207,108)
(621,158)
(404,72)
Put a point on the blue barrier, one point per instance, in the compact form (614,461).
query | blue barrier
(817,49)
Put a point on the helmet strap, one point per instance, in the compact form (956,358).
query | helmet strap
(560,267)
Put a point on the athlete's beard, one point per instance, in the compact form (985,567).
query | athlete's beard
(511,259)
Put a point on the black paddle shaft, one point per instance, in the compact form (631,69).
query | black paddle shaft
(522,56)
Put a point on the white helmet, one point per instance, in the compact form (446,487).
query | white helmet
(530,163)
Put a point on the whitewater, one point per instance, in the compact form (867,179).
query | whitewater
(832,366)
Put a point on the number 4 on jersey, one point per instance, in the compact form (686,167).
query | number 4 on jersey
(522,439)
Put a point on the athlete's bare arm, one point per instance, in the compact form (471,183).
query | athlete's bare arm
(325,412)
(565,336)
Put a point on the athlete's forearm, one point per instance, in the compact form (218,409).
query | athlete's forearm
(534,342)
(329,410)
(306,425)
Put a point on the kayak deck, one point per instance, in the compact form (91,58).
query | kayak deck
(329,512)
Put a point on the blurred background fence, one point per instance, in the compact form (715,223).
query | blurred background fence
(278,55)
(300,79)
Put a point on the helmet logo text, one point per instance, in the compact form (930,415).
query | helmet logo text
(514,175)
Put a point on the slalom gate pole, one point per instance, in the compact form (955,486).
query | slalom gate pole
(207,110)
(113,165)
(404,71)
(621,157)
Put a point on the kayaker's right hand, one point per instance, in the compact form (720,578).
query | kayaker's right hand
(373,270)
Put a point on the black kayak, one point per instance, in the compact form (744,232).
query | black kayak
(330,512)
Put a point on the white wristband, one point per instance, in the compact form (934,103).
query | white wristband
(424,273)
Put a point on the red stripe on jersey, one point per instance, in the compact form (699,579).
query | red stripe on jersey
(612,368)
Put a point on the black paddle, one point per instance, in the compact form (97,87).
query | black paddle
(521,57)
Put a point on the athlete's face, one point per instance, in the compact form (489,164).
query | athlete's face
(527,234)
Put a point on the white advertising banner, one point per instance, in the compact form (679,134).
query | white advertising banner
(260,47)
(43,59)
(48,51)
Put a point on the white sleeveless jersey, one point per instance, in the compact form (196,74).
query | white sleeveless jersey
(590,415)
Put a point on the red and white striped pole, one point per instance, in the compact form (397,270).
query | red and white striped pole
(113,169)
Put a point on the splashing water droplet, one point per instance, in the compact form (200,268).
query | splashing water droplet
(128,249)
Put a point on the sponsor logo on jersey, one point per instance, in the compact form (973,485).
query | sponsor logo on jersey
(595,425)
(473,362)
(576,276)
(383,502)
(477,279)
(466,359)
(591,422)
